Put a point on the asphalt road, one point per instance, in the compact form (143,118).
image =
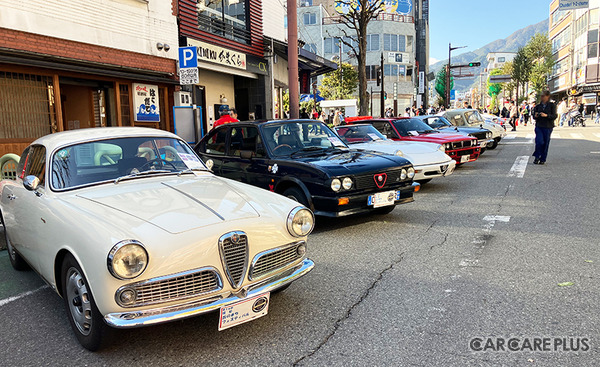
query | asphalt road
(479,254)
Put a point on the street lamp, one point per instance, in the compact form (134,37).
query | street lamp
(448,70)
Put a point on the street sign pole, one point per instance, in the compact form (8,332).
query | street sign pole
(381,96)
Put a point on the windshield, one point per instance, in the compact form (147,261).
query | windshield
(474,117)
(411,127)
(111,159)
(294,137)
(437,122)
(351,134)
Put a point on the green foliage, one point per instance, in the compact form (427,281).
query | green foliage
(340,83)
(440,83)
(494,89)
(539,52)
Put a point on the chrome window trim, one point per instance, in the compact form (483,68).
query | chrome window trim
(224,264)
(270,273)
(161,278)
(116,248)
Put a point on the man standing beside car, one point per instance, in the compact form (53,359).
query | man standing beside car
(544,114)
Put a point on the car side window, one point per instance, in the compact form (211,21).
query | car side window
(389,131)
(36,163)
(23,163)
(216,143)
(246,139)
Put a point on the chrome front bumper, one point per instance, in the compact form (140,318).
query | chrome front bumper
(132,319)
(434,170)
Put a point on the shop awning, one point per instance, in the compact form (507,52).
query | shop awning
(307,60)
(24,58)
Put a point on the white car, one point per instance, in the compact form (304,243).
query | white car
(130,228)
(428,159)
(472,117)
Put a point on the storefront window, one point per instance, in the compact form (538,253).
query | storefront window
(227,18)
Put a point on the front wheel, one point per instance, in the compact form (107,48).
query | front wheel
(296,194)
(493,145)
(85,319)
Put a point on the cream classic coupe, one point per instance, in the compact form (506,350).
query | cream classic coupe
(130,228)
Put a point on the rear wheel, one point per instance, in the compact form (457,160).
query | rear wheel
(86,321)
(17,262)
(296,194)
(493,145)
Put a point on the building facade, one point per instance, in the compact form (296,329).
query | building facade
(575,43)
(395,34)
(74,64)
(496,60)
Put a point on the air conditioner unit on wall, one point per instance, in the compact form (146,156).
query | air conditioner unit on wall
(183,99)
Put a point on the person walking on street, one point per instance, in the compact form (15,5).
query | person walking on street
(597,113)
(562,111)
(337,120)
(544,114)
(513,115)
(525,113)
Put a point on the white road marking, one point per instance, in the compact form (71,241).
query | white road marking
(556,136)
(8,300)
(510,136)
(577,136)
(597,135)
(594,152)
(471,260)
(497,218)
(519,167)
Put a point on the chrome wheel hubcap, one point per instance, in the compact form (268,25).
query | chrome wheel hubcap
(78,298)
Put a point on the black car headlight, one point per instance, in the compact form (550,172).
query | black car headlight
(336,185)
(411,173)
(403,174)
(300,222)
(127,259)
(347,183)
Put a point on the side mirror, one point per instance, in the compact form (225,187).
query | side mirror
(31,183)
(246,154)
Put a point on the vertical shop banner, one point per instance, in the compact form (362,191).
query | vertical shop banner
(421,82)
(146,103)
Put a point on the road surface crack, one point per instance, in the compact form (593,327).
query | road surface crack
(348,312)
(439,244)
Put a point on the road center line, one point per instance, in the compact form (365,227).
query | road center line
(519,167)
(8,300)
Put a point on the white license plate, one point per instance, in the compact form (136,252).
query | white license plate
(244,311)
(381,199)
(465,158)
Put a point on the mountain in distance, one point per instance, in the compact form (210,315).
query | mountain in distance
(510,44)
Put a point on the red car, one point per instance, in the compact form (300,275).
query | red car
(461,148)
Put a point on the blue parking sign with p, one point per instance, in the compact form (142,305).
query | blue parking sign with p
(188,57)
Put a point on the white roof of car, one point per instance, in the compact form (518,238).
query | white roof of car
(52,141)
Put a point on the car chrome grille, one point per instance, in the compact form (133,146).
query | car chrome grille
(367,182)
(172,287)
(272,260)
(234,255)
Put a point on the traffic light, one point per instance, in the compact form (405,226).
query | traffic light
(384,95)
(474,64)
(379,76)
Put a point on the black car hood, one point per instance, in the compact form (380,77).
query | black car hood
(352,162)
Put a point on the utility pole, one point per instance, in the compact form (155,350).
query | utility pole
(448,71)
(292,16)
(382,88)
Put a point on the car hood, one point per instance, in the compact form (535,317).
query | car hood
(463,130)
(353,162)
(416,152)
(174,204)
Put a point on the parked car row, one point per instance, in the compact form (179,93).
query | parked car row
(133,227)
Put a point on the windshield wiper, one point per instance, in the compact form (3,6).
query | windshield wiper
(143,173)
(189,170)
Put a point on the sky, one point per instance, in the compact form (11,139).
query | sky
(475,23)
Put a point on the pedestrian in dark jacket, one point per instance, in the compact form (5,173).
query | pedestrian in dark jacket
(544,115)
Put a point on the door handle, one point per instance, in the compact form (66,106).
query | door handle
(11,197)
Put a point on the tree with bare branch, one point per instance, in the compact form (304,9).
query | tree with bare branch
(356,17)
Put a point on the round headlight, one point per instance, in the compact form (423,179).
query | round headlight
(399,153)
(301,222)
(441,148)
(411,172)
(127,259)
(336,185)
(488,135)
(448,146)
(403,174)
(127,296)
(301,249)
(475,142)
(347,183)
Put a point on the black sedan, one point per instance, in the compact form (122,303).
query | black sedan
(305,161)
(442,124)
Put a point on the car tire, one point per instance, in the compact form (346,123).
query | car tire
(423,182)
(296,194)
(85,318)
(16,261)
(493,146)
(385,210)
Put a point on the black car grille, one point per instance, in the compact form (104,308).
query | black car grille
(367,182)
(480,136)
(463,144)
(234,254)
(270,261)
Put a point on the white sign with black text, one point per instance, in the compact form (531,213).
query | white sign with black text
(573,4)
